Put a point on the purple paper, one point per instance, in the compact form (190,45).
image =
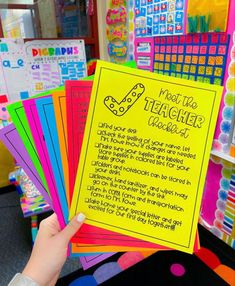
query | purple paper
(91,260)
(15,145)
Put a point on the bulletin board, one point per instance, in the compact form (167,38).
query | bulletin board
(203,51)
(200,57)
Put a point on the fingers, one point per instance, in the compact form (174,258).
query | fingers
(68,232)
(49,226)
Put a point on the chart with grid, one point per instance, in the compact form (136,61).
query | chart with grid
(200,57)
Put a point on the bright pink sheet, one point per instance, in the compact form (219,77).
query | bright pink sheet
(37,133)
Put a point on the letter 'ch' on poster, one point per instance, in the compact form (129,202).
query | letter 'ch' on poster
(145,154)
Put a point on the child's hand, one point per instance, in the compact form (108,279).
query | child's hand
(50,250)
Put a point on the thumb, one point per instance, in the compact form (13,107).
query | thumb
(72,227)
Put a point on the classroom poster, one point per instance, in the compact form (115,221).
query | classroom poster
(200,57)
(12,67)
(141,170)
(158,18)
(51,62)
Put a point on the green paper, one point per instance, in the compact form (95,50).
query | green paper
(19,118)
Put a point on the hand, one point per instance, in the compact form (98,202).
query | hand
(50,250)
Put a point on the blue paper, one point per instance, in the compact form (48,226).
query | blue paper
(48,122)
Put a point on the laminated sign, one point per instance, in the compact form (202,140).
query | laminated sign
(142,169)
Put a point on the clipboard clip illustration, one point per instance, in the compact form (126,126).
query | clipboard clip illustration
(120,108)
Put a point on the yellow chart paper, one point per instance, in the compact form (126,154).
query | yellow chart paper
(145,154)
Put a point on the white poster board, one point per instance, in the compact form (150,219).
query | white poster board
(13,73)
(51,62)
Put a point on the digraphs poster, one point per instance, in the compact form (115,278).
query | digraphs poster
(51,62)
(141,169)
(13,69)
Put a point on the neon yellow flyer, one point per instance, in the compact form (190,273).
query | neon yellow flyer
(145,154)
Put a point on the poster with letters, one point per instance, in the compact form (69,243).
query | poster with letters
(13,69)
(52,62)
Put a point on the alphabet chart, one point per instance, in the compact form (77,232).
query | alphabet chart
(12,67)
(200,57)
(50,63)
(157,17)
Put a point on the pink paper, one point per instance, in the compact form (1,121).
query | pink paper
(93,235)
(77,104)
(37,133)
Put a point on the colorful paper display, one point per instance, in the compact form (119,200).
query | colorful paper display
(47,124)
(50,63)
(18,116)
(200,57)
(47,118)
(155,18)
(82,249)
(59,103)
(141,171)
(117,182)
(78,98)
(42,151)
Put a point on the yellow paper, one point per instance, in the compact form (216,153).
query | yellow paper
(145,154)
(216,10)
(59,101)
(91,248)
